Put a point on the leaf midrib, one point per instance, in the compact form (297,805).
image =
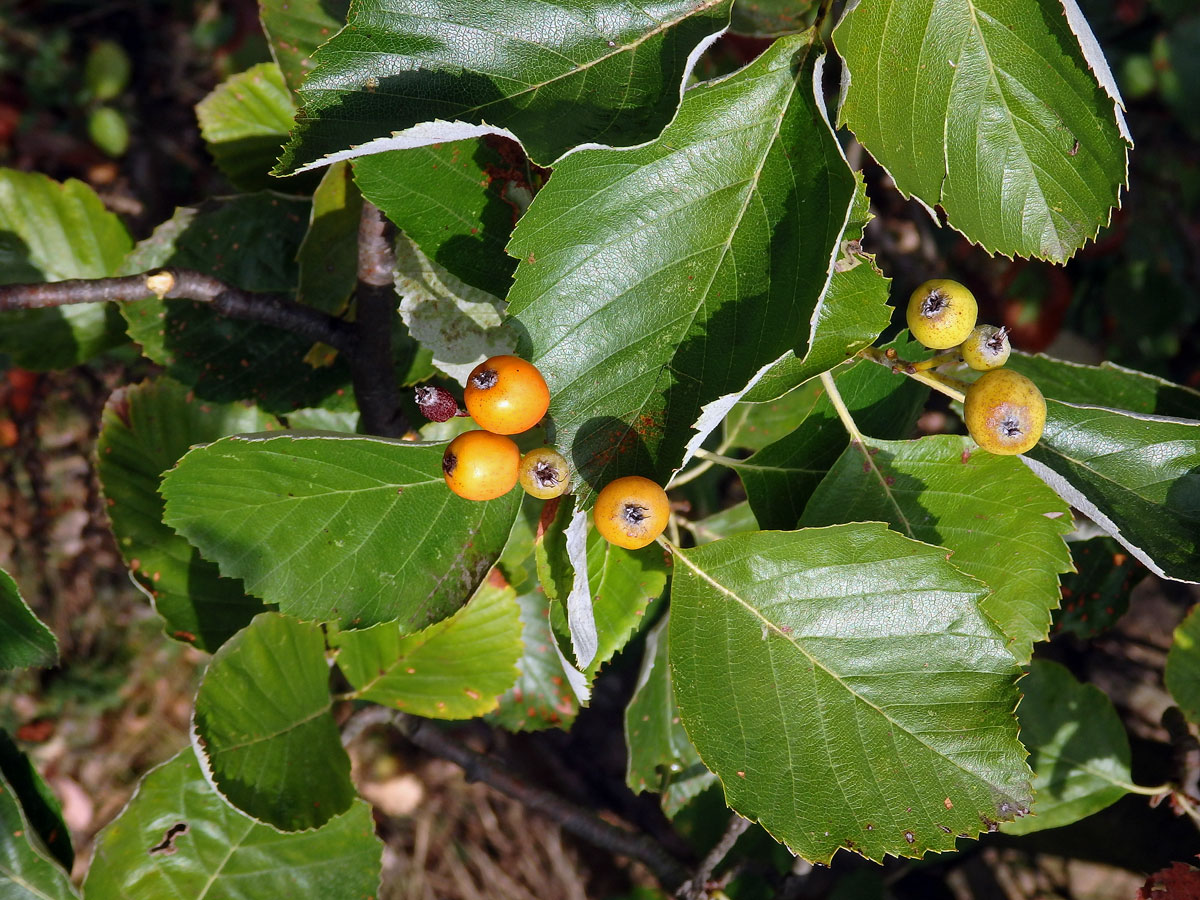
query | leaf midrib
(704,576)
(578,68)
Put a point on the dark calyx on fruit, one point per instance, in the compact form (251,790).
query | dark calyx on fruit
(449,463)
(546,474)
(484,380)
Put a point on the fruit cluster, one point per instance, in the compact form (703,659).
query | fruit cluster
(507,395)
(1004,411)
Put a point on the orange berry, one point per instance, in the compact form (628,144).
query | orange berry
(506,395)
(479,465)
(631,512)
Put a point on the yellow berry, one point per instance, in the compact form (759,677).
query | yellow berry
(479,465)
(1005,412)
(986,347)
(544,473)
(941,313)
(631,512)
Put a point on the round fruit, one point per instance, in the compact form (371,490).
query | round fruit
(941,313)
(1005,412)
(506,395)
(436,403)
(479,465)
(631,512)
(544,473)
(986,347)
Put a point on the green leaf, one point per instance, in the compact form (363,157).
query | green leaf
(661,757)
(24,638)
(847,690)
(295,28)
(540,698)
(770,18)
(457,201)
(1107,385)
(554,568)
(244,122)
(52,232)
(455,669)
(328,256)
(355,530)
(851,315)
(736,519)
(263,725)
(27,872)
(990,110)
(222,854)
(554,75)
(1001,523)
(781,477)
(1097,595)
(41,808)
(693,262)
(462,325)
(1077,748)
(622,584)
(753,426)
(145,429)
(250,241)
(1183,666)
(1136,476)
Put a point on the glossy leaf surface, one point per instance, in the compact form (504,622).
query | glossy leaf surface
(694,261)
(845,687)
(987,108)
(457,201)
(1002,524)
(1136,476)
(38,803)
(221,853)
(850,316)
(1107,385)
(145,429)
(24,638)
(27,872)
(1077,748)
(244,122)
(1183,666)
(251,241)
(661,756)
(263,725)
(355,530)
(295,28)
(328,255)
(52,232)
(541,697)
(554,74)
(780,478)
(454,669)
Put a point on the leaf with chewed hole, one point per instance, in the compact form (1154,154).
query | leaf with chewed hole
(178,839)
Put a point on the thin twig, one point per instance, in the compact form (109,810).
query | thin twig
(696,887)
(375,305)
(184,284)
(582,823)
(839,406)
(953,388)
